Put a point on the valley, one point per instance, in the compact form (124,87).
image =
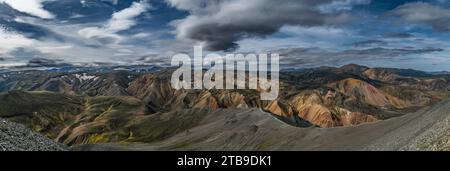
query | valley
(347,108)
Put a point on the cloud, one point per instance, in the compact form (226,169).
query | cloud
(219,24)
(343,5)
(31,7)
(122,20)
(315,57)
(111,31)
(10,41)
(115,2)
(370,43)
(295,36)
(27,27)
(424,13)
(44,62)
(398,35)
(315,31)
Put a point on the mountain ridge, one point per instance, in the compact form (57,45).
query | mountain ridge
(143,108)
(253,129)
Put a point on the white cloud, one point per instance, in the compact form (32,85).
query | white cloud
(424,13)
(120,21)
(32,7)
(141,35)
(10,41)
(124,19)
(316,31)
(52,48)
(83,42)
(343,5)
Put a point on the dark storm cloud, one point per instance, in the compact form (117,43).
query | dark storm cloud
(152,59)
(314,57)
(424,13)
(44,62)
(219,24)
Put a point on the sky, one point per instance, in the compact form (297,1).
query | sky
(307,33)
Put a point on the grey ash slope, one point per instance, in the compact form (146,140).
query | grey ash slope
(16,137)
(252,129)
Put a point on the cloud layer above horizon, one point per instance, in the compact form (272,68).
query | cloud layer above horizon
(308,33)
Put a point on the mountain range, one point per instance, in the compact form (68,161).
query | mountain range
(347,108)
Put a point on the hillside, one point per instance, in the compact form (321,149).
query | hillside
(252,129)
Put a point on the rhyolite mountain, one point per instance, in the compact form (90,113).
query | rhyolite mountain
(122,107)
(253,129)
(91,84)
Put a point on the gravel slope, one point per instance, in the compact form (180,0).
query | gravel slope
(15,137)
(252,129)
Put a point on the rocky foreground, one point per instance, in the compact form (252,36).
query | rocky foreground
(16,137)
